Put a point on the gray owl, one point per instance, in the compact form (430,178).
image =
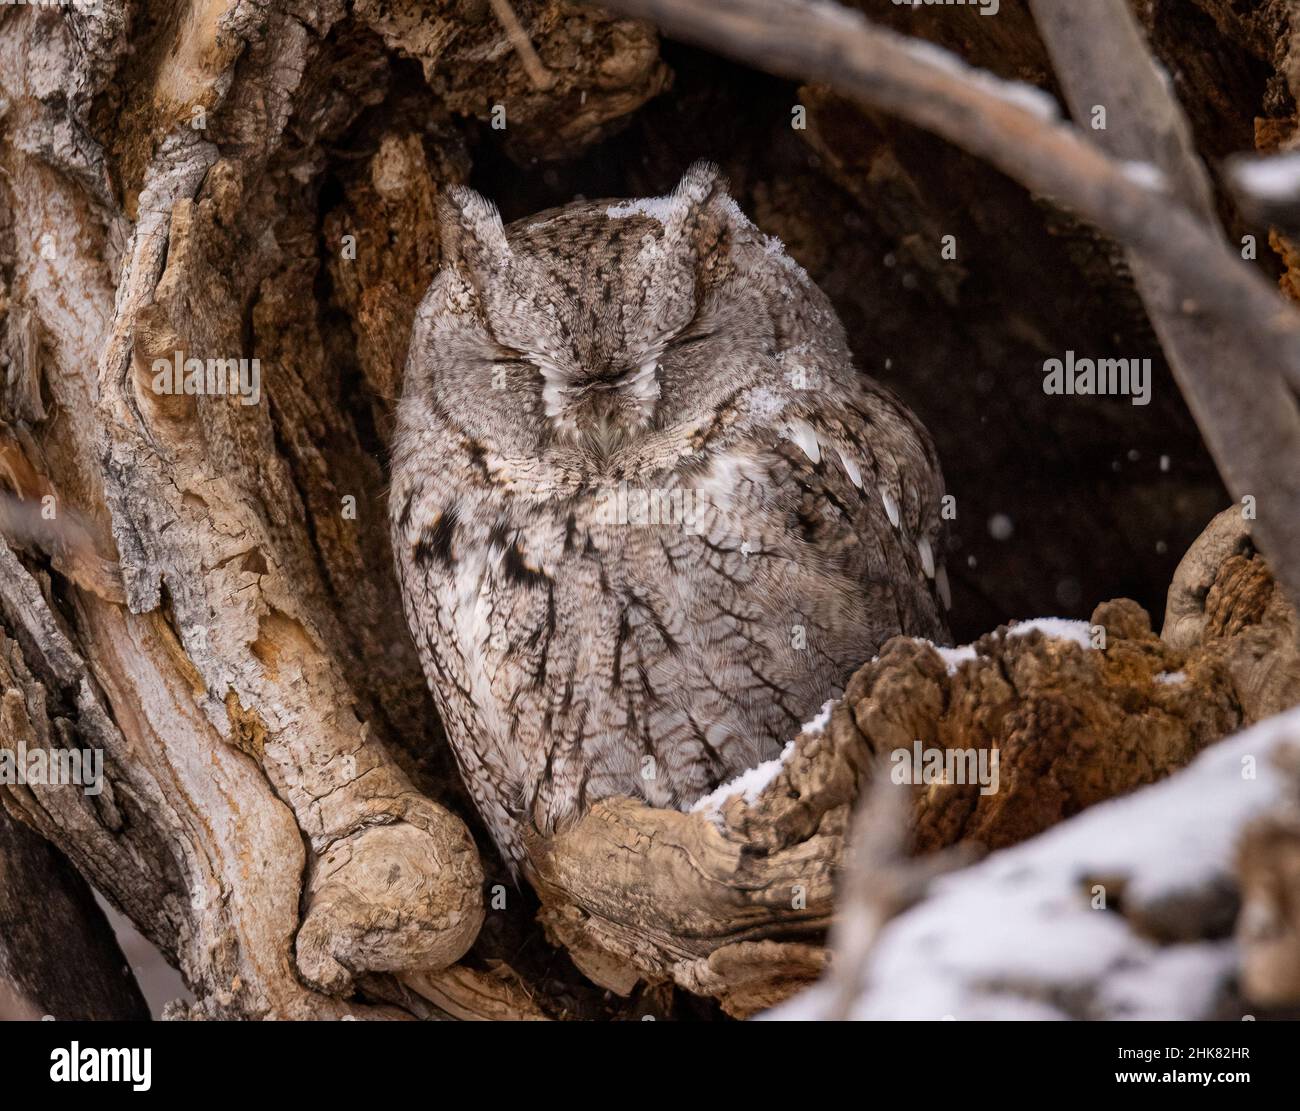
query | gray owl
(647,516)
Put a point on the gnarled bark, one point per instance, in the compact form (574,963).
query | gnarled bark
(750,880)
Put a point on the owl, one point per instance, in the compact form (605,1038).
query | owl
(647,516)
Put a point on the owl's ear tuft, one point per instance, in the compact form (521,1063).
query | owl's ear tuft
(471,235)
(700,184)
(705,220)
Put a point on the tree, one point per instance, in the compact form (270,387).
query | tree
(215,223)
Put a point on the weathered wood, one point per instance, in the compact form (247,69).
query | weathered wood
(633,891)
(58,955)
(1124,912)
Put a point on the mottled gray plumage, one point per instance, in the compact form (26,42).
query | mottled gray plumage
(558,369)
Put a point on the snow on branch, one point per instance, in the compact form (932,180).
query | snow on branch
(1123,912)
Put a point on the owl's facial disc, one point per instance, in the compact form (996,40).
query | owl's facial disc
(581,305)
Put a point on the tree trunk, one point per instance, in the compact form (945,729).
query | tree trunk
(199,587)
(57,951)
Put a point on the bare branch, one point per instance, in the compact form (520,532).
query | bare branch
(85,976)
(538,74)
(1252,426)
(880,882)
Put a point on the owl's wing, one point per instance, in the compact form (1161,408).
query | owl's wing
(859,482)
(441,562)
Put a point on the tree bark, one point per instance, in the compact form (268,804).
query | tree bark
(57,950)
(200,589)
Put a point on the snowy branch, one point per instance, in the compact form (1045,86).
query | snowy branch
(1123,912)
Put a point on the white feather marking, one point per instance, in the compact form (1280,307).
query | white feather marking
(644,384)
(716,488)
(851,469)
(764,404)
(553,395)
(556,389)
(945,591)
(891,506)
(803,434)
(927,557)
